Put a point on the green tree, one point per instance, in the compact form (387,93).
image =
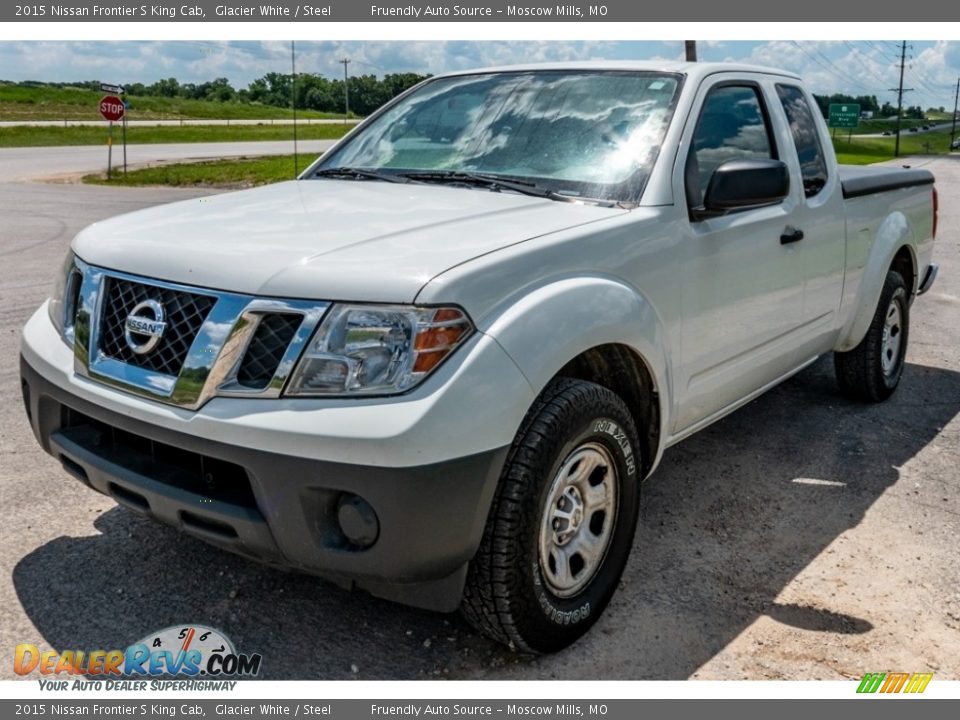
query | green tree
(165,88)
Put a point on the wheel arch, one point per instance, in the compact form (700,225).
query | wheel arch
(893,248)
(598,329)
(624,372)
(905,263)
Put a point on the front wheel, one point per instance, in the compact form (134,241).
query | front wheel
(562,522)
(872,370)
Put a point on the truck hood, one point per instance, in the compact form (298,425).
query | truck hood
(354,240)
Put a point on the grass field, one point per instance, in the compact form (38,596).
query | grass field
(51,136)
(239,172)
(50,103)
(247,172)
(863,151)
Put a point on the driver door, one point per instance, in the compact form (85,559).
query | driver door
(742,287)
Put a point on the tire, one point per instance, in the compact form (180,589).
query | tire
(871,371)
(517,591)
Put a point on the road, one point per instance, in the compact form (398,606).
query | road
(177,123)
(36,163)
(804,536)
(904,131)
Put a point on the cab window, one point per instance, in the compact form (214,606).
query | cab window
(813,165)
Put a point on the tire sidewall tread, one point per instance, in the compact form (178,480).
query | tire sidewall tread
(505,595)
(860,370)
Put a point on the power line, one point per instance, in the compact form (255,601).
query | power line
(829,68)
(885,52)
(843,74)
(859,56)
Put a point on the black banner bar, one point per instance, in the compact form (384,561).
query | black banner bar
(510,11)
(187,709)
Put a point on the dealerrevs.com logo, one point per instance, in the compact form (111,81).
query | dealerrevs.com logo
(184,651)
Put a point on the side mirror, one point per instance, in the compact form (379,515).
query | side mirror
(739,184)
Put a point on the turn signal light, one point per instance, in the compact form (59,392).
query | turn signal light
(437,338)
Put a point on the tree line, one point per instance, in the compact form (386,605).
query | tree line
(368,92)
(310,92)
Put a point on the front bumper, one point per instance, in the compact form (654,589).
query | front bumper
(278,509)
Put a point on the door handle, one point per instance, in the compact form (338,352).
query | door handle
(791,235)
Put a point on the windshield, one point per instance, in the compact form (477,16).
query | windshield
(591,134)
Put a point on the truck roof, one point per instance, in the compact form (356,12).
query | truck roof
(693,70)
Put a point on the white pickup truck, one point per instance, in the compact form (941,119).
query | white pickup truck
(439,364)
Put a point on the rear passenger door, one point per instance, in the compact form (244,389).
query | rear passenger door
(742,288)
(819,214)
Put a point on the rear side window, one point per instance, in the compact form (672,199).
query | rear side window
(813,166)
(732,126)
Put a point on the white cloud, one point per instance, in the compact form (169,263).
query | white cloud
(858,67)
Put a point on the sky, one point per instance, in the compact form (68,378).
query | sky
(857,67)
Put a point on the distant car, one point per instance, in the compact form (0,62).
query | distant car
(926,127)
(888,132)
(913,129)
(956,144)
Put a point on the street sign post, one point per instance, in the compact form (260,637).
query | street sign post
(844,115)
(126,106)
(112,109)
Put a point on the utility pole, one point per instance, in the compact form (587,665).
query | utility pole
(293,101)
(690,47)
(953,130)
(900,91)
(346,89)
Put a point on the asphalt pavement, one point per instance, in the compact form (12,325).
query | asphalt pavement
(63,163)
(178,123)
(802,537)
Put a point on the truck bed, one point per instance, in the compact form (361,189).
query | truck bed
(858,180)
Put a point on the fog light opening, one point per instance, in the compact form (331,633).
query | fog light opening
(358,521)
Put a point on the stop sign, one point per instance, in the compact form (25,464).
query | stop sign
(111,107)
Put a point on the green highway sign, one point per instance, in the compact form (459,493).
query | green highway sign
(844,115)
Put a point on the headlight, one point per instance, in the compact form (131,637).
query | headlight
(371,350)
(66,293)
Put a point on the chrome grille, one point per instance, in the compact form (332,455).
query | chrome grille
(185,313)
(208,336)
(266,350)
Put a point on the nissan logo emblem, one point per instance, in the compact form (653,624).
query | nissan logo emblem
(144,326)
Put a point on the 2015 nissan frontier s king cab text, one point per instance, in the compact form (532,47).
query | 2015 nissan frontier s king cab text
(439,364)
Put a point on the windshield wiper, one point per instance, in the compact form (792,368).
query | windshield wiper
(359,173)
(496,182)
